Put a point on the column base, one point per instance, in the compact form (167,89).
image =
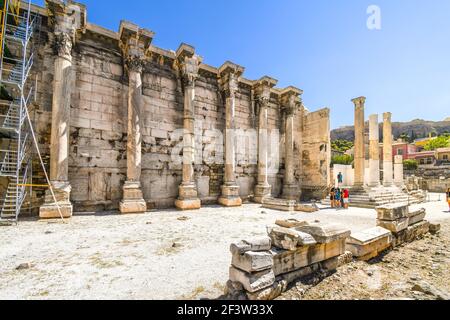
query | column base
(230,196)
(262,192)
(188,198)
(49,210)
(291,192)
(133,199)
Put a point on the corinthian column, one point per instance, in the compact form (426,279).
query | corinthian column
(290,101)
(229,75)
(66,21)
(134,43)
(262,92)
(359,142)
(374,151)
(387,150)
(188,65)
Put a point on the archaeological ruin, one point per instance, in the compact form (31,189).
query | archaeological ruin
(123,125)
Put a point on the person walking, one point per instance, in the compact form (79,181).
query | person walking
(448,199)
(346,198)
(340,178)
(337,198)
(332,197)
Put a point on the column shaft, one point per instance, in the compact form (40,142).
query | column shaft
(398,171)
(374,151)
(359,143)
(263,188)
(387,150)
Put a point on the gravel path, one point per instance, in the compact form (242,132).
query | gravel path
(159,255)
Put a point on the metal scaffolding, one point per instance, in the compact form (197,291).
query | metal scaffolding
(17,94)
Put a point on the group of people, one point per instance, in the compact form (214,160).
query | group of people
(339,198)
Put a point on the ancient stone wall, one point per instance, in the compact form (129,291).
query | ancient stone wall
(98,127)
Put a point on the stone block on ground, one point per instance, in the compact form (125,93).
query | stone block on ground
(294,276)
(325,233)
(392,212)
(417,216)
(435,228)
(290,223)
(252,261)
(369,243)
(394,226)
(270,293)
(285,261)
(256,244)
(279,204)
(412,233)
(289,239)
(253,282)
(306,207)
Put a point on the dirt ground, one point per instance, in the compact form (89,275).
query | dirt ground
(185,255)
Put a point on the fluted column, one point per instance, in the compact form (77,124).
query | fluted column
(134,42)
(66,23)
(262,93)
(290,102)
(229,74)
(359,142)
(188,65)
(388,174)
(374,151)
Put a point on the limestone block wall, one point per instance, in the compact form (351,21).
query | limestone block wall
(98,127)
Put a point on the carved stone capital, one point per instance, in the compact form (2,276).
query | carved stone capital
(262,90)
(229,74)
(359,102)
(63,45)
(290,100)
(134,63)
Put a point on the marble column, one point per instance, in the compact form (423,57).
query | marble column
(188,65)
(134,42)
(66,24)
(374,151)
(387,150)
(359,142)
(262,90)
(229,76)
(398,171)
(290,102)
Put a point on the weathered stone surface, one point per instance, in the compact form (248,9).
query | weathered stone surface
(252,261)
(394,226)
(230,201)
(133,206)
(194,204)
(435,228)
(392,212)
(289,239)
(417,216)
(51,211)
(325,233)
(288,261)
(270,293)
(411,233)
(306,207)
(256,245)
(294,276)
(330,264)
(369,242)
(279,204)
(345,258)
(290,223)
(253,282)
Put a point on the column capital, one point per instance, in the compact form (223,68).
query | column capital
(188,64)
(360,101)
(67,19)
(134,43)
(262,89)
(387,116)
(229,74)
(290,100)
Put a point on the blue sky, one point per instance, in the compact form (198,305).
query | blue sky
(322,46)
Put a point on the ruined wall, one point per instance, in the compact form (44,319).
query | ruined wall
(316,154)
(98,128)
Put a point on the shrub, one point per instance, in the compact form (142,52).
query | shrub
(344,160)
(410,164)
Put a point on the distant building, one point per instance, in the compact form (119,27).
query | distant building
(443,155)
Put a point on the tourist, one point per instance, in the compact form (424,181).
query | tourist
(337,198)
(448,199)
(332,195)
(340,178)
(346,198)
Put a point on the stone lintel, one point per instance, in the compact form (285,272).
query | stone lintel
(67,16)
(230,67)
(291,90)
(185,50)
(129,30)
(266,81)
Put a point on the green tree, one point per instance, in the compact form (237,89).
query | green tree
(343,159)
(410,164)
(342,145)
(439,142)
